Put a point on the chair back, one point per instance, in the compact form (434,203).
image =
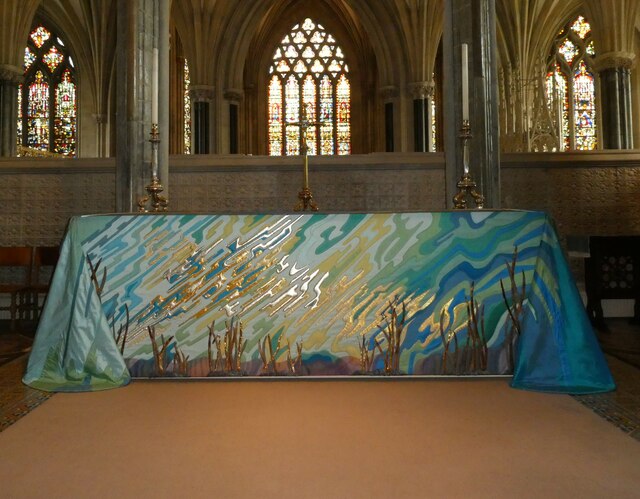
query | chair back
(14,258)
(45,258)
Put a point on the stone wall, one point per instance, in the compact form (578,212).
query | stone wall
(587,194)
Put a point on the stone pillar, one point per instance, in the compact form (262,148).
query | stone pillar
(615,91)
(162,42)
(422,94)
(202,98)
(10,78)
(472,22)
(101,121)
(234,97)
(389,94)
(139,31)
(251,138)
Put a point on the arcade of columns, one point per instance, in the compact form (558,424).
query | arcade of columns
(395,43)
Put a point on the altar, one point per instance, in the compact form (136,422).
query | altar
(463,293)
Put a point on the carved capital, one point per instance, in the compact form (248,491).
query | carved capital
(202,93)
(614,60)
(233,94)
(421,89)
(11,73)
(389,92)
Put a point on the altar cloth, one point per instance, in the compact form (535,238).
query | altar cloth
(325,282)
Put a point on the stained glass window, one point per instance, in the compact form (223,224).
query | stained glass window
(309,87)
(47,102)
(29,57)
(39,36)
(53,59)
(570,86)
(38,113)
(65,115)
(343,108)
(434,123)
(584,108)
(19,134)
(187,109)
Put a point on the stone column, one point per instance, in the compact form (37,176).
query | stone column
(101,121)
(162,42)
(615,91)
(251,138)
(234,97)
(472,22)
(422,94)
(202,98)
(139,31)
(10,78)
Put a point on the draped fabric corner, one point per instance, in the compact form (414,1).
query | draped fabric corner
(74,349)
(559,351)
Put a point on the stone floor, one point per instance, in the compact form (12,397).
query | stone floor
(620,342)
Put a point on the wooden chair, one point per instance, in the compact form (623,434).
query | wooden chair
(31,298)
(16,264)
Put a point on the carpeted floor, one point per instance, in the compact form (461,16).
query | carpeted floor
(319,439)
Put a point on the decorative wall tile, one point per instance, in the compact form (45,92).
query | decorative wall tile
(35,207)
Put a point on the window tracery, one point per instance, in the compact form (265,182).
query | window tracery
(47,103)
(571,86)
(309,82)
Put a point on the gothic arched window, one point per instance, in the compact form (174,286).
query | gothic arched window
(571,88)
(309,86)
(47,106)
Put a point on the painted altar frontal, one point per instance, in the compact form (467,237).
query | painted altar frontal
(314,295)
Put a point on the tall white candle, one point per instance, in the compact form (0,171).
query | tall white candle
(154,87)
(465,82)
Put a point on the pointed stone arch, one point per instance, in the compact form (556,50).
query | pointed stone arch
(337,18)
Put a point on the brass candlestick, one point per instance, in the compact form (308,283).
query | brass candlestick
(466,185)
(158,202)
(305,196)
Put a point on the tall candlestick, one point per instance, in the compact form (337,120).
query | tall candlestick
(465,82)
(154,87)
(306,172)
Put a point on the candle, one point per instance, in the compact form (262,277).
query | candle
(154,162)
(465,82)
(154,87)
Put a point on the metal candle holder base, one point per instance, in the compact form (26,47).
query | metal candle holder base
(306,201)
(466,185)
(158,202)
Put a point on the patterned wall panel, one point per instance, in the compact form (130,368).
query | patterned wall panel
(35,207)
(600,200)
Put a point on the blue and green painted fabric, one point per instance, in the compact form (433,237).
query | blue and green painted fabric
(325,282)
